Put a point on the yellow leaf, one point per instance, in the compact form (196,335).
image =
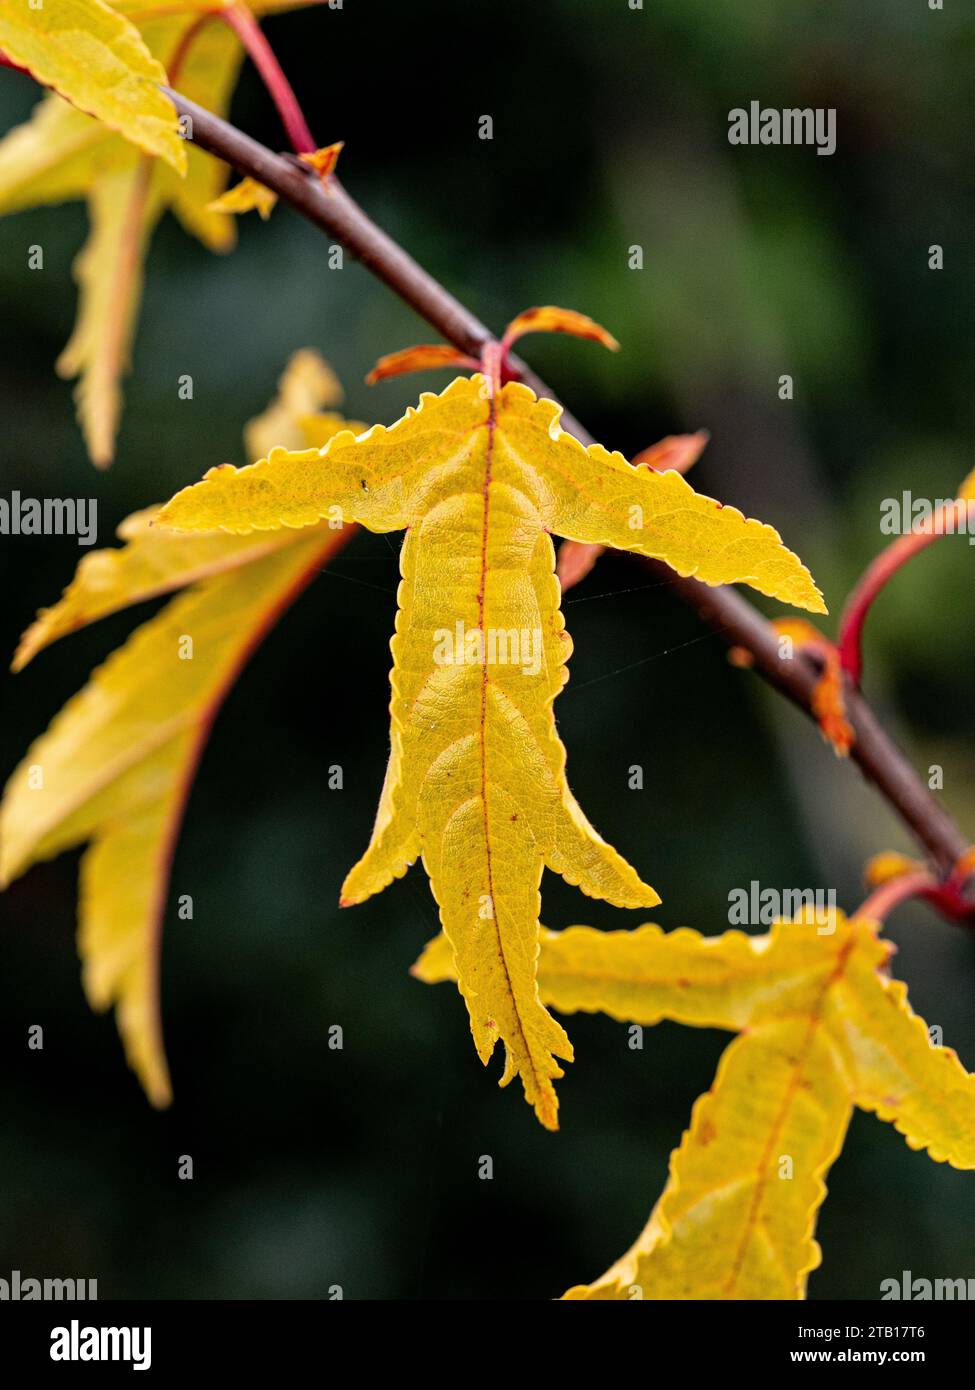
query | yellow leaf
(476,779)
(323,161)
(98,60)
(736,1218)
(115,766)
(307,386)
(246,196)
(822,1029)
(61,153)
(646,975)
(897,1072)
(145,567)
(582,494)
(125,203)
(889,864)
(52,157)
(124,207)
(114,769)
(679,452)
(549,318)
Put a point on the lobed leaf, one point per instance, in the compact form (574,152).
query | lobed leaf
(648,974)
(588,495)
(61,153)
(114,769)
(246,196)
(124,205)
(896,1070)
(476,781)
(677,451)
(98,60)
(737,1216)
(292,420)
(822,1028)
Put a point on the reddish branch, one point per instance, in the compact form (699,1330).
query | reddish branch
(951,517)
(331,208)
(262,55)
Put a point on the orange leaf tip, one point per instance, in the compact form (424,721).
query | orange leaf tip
(424,357)
(966,864)
(888,865)
(246,196)
(827,702)
(323,161)
(549,319)
(678,452)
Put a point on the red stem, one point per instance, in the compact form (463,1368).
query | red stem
(895,891)
(877,576)
(261,54)
(182,49)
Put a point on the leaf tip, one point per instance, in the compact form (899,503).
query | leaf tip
(548,318)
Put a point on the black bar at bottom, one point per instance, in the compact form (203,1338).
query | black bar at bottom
(63,1340)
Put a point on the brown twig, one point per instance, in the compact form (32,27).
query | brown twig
(331,208)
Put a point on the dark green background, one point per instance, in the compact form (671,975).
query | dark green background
(359,1167)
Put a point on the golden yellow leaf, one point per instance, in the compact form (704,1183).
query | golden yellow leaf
(307,386)
(61,153)
(476,779)
(246,196)
(423,358)
(822,1029)
(98,60)
(736,1218)
(386,481)
(114,768)
(896,1071)
(125,203)
(124,207)
(679,452)
(145,567)
(889,864)
(323,161)
(52,157)
(549,318)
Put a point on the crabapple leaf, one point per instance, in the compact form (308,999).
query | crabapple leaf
(476,781)
(822,1028)
(60,153)
(98,60)
(246,196)
(679,452)
(114,769)
(307,387)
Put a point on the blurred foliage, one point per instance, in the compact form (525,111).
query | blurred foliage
(315,1167)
